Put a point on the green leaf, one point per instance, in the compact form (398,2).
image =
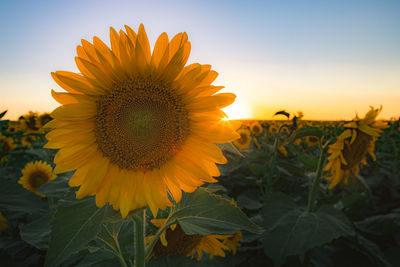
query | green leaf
(289,230)
(203,213)
(75,223)
(306,131)
(2,114)
(249,200)
(57,187)
(37,232)
(15,198)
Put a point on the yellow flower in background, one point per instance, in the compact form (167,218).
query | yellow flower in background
(139,126)
(7,145)
(174,241)
(312,141)
(28,122)
(273,129)
(13,127)
(42,119)
(282,150)
(35,174)
(297,142)
(256,128)
(3,223)
(245,139)
(27,140)
(352,146)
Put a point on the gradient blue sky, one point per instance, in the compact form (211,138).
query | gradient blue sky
(326,58)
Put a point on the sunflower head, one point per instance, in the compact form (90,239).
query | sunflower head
(42,119)
(28,122)
(138,126)
(3,223)
(35,174)
(245,139)
(352,146)
(27,140)
(256,128)
(273,129)
(312,141)
(13,127)
(6,145)
(282,149)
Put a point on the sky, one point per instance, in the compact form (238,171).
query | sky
(329,59)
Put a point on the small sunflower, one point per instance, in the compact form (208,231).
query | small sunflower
(282,150)
(174,241)
(312,141)
(273,129)
(28,122)
(245,139)
(256,128)
(42,119)
(139,126)
(35,174)
(352,146)
(27,140)
(13,127)
(3,223)
(7,145)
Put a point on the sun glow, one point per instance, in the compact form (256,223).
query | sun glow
(238,110)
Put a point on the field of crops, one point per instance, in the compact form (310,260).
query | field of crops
(276,175)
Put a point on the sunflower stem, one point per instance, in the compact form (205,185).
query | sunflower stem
(269,170)
(139,220)
(312,195)
(153,241)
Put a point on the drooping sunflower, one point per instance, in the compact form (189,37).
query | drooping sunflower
(3,223)
(28,122)
(256,128)
(35,174)
(7,145)
(137,126)
(174,241)
(245,139)
(352,146)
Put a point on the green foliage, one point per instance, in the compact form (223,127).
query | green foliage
(290,230)
(203,213)
(83,220)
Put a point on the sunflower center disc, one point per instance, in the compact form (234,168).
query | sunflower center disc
(140,124)
(37,178)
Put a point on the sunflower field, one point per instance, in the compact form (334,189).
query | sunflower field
(139,166)
(270,176)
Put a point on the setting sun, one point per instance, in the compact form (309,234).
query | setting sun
(238,110)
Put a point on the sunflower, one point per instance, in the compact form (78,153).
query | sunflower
(35,174)
(174,241)
(312,141)
(232,242)
(137,126)
(7,145)
(245,139)
(353,145)
(13,127)
(28,122)
(273,129)
(3,223)
(256,128)
(27,140)
(42,119)
(282,150)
